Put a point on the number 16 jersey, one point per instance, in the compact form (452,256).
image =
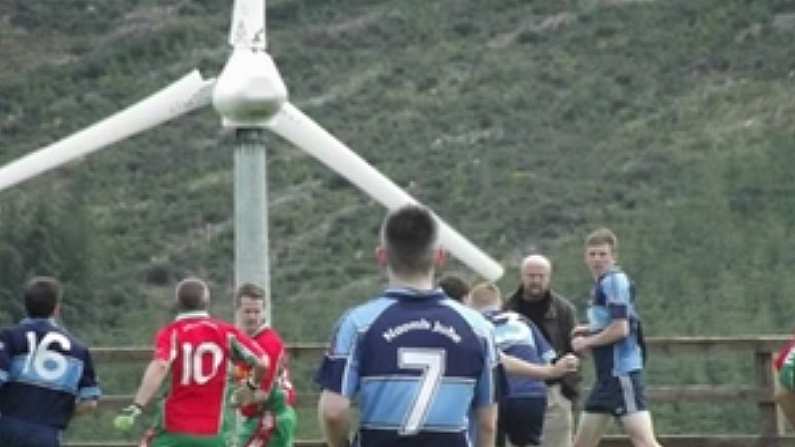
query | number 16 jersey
(200,350)
(43,372)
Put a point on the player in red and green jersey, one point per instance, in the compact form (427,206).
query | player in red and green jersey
(271,420)
(199,351)
(785,366)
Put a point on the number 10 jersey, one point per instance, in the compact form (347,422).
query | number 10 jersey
(200,350)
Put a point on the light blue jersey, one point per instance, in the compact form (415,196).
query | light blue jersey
(613,298)
(520,338)
(418,363)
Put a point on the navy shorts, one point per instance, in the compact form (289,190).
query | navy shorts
(618,396)
(521,420)
(18,433)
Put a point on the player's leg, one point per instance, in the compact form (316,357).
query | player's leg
(635,417)
(640,429)
(286,425)
(591,428)
(602,404)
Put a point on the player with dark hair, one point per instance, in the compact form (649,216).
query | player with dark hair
(417,362)
(455,287)
(270,420)
(46,375)
(198,351)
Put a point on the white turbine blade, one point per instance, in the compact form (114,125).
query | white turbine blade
(294,126)
(183,96)
(248,25)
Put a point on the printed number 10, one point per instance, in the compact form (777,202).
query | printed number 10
(192,365)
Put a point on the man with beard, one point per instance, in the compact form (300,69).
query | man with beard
(555,316)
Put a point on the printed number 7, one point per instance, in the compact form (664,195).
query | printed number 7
(432,364)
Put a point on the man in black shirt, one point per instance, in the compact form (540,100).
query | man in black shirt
(556,317)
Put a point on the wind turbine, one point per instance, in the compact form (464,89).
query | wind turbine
(250,96)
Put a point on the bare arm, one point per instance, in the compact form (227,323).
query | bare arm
(614,332)
(518,367)
(334,414)
(154,375)
(487,425)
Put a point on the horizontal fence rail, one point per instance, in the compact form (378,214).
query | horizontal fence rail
(771,430)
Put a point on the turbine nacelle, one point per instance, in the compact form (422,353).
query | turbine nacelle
(250,90)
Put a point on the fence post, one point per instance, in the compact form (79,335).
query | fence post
(770,425)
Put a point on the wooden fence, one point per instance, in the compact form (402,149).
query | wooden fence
(771,426)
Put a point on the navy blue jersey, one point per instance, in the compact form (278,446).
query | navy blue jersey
(418,364)
(520,338)
(613,298)
(43,372)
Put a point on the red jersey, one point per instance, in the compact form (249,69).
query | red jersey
(783,353)
(270,341)
(200,351)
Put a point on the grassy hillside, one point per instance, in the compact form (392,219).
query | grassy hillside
(524,124)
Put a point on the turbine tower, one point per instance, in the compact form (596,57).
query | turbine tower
(251,98)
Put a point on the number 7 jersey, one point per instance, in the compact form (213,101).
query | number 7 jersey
(418,364)
(200,351)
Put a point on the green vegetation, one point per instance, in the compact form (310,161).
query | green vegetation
(524,124)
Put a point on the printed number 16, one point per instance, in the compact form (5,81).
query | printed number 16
(47,364)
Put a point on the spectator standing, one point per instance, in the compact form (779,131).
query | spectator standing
(556,318)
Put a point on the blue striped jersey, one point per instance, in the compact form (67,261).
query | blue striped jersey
(417,363)
(44,371)
(520,338)
(612,298)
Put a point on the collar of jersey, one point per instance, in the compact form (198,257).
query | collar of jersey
(261,329)
(30,320)
(192,314)
(406,292)
(615,268)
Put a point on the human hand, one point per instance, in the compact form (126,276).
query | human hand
(245,394)
(126,417)
(569,362)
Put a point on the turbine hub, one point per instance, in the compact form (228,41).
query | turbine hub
(250,90)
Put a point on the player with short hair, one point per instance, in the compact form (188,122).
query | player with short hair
(522,409)
(198,350)
(455,287)
(417,362)
(270,420)
(46,375)
(615,338)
